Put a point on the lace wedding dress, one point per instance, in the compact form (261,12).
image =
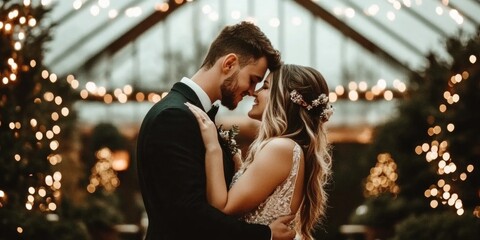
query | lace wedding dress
(277,204)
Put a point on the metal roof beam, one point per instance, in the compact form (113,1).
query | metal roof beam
(463,13)
(129,35)
(132,34)
(86,37)
(350,32)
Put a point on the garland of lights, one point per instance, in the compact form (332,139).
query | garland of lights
(437,150)
(15,30)
(356,91)
(18,22)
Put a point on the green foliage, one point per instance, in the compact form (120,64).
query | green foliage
(37,226)
(100,211)
(408,129)
(107,135)
(382,211)
(438,226)
(34,125)
(23,156)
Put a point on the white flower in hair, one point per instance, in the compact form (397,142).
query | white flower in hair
(297,98)
(327,112)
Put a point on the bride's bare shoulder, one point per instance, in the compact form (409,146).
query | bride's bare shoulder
(279,150)
(280,144)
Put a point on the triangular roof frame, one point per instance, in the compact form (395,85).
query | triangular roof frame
(317,10)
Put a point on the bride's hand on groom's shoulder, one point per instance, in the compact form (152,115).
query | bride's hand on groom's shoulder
(208,129)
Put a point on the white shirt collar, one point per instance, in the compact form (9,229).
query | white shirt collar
(202,95)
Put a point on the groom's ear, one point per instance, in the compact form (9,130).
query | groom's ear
(229,62)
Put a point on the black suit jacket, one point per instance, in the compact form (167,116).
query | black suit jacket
(171,171)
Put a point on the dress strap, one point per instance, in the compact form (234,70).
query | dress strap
(297,151)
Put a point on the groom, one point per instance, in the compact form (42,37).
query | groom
(171,154)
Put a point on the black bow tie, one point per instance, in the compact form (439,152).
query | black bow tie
(213,112)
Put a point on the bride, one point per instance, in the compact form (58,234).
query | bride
(288,164)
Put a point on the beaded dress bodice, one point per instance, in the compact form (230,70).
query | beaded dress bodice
(277,204)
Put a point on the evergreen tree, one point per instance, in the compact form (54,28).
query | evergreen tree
(36,120)
(434,138)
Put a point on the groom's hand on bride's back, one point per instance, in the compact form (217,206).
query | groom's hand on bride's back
(280,229)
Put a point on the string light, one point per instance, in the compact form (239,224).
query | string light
(396,5)
(102,174)
(127,93)
(382,177)
(44,191)
(438,151)
(3,198)
(16,37)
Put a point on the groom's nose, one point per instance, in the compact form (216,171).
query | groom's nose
(251,90)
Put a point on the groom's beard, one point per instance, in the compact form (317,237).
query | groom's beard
(229,90)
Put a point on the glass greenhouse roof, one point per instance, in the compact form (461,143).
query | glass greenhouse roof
(150,44)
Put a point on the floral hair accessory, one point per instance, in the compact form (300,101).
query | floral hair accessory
(298,99)
(321,100)
(327,112)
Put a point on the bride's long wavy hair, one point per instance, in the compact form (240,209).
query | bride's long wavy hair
(284,118)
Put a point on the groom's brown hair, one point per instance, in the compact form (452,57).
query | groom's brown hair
(247,41)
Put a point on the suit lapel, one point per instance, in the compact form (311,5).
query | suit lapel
(188,93)
(192,97)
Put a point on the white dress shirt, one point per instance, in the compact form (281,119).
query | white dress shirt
(202,95)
